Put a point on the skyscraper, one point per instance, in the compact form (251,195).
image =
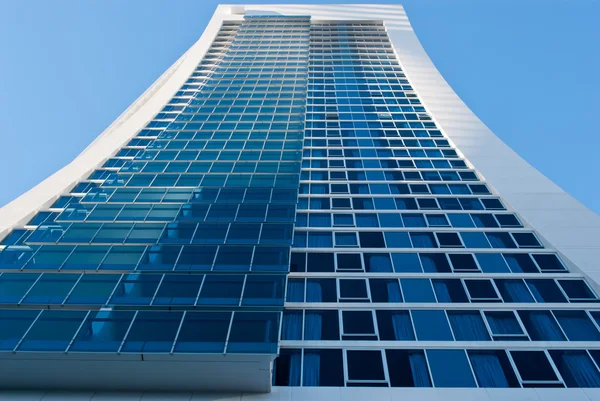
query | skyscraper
(301,206)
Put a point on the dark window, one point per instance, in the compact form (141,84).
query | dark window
(365,366)
(319,262)
(287,367)
(349,262)
(534,367)
(449,290)
(577,290)
(352,290)
(449,240)
(358,325)
(395,326)
(481,291)
(371,240)
(545,291)
(492,369)
(407,368)
(321,325)
(463,262)
(323,367)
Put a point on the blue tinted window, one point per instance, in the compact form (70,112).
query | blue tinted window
(459,376)
(417,290)
(431,325)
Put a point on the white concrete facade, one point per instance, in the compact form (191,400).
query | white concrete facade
(564,223)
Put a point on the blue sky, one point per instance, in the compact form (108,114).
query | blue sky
(528,69)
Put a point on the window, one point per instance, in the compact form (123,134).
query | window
(576,368)
(481,291)
(541,326)
(221,290)
(203,332)
(152,332)
(449,240)
(365,368)
(417,290)
(463,262)
(577,291)
(468,326)
(395,325)
(320,262)
(323,367)
(52,331)
(492,369)
(103,331)
(254,332)
(321,325)
(397,240)
(535,369)
(459,376)
(345,239)
(577,325)
(505,326)
(407,368)
(353,290)
(431,325)
(358,325)
(371,240)
(526,240)
(450,290)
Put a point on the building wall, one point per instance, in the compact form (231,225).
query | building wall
(563,223)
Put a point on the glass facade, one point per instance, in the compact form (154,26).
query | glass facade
(295,198)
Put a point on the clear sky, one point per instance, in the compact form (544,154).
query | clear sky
(528,69)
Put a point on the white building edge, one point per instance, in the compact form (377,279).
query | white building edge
(563,223)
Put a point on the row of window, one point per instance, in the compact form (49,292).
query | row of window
(440,325)
(251,109)
(426,262)
(400,189)
(209,135)
(396,203)
(202,167)
(200,180)
(151,233)
(212,155)
(387,175)
(185,195)
(397,220)
(420,239)
(246,117)
(141,258)
(228,102)
(139,332)
(363,154)
(350,163)
(437,368)
(169,290)
(377,124)
(256,213)
(425,290)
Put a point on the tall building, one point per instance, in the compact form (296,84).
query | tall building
(300,207)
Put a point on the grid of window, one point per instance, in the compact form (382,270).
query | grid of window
(181,241)
(398,241)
